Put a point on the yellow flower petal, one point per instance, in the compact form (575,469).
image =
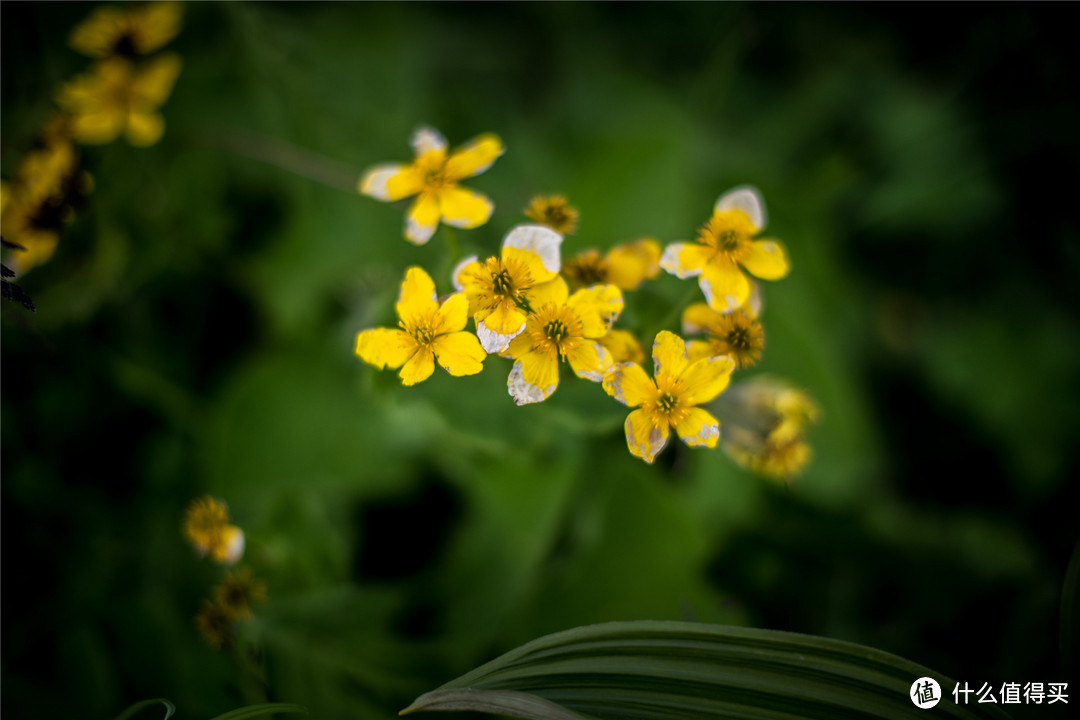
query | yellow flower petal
(643,438)
(97,128)
(628,383)
(466,268)
(454,313)
(669,355)
(155,25)
(144,128)
(631,264)
(706,378)
(598,307)
(422,219)
(724,285)
(532,263)
(685,259)
(697,318)
(417,296)
(418,368)
(746,199)
(464,208)
(698,349)
(474,157)
(623,346)
(230,546)
(766,260)
(533,378)
(459,353)
(390,182)
(554,291)
(96,35)
(152,86)
(698,428)
(385,347)
(589,360)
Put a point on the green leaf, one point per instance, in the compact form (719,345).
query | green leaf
(134,709)
(252,711)
(647,670)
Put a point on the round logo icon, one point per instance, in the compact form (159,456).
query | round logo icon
(925,693)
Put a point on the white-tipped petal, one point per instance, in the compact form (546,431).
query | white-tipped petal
(425,139)
(745,198)
(492,341)
(543,241)
(523,391)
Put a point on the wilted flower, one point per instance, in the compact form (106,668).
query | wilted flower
(553,211)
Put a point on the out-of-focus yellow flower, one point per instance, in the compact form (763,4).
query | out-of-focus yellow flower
(566,327)
(434,176)
(736,334)
(765,421)
(623,346)
(238,592)
(215,625)
(625,266)
(138,29)
(119,97)
(502,290)
(206,526)
(724,244)
(554,212)
(38,201)
(670,400)
(428,332)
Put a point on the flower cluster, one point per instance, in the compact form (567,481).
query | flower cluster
(529,306)
(206,525)
(120,94)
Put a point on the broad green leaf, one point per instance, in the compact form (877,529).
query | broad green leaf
(253,711)
(647,670)
(134,709)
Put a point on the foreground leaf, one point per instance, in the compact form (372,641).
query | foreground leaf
(649,670)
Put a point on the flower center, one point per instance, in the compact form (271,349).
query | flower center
(502,283)
(556,330)
(588,268)
(666,402)
(727,240)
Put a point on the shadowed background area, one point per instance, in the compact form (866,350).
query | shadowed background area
(195,331)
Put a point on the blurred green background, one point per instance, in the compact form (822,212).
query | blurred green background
(194,335)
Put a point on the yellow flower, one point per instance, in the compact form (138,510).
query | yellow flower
(215,625)
(736,334)
(670,401)
(433,177)
(136,29)
(554,212)
(766,420)
(566,327)
(427,332)
(118,97)
(626,266)
(501,289)
(623,346)
(238,592)
(723,245)
(206,526)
